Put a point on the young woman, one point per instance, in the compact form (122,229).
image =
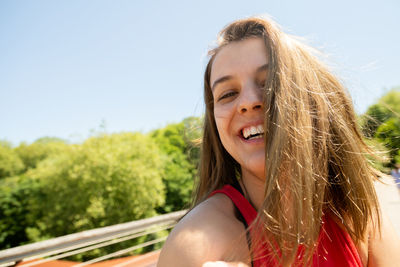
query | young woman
(283,176)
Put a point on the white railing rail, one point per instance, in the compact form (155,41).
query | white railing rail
(76,243)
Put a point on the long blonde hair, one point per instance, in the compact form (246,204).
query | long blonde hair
(314,152)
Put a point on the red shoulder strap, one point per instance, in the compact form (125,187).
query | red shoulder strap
(245,208)
(249,214)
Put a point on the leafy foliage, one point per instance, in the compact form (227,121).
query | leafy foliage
(387,107)
(181,156)
(389,134)
(382,123)
(10,162)
(16,195)
(108,179)
(42,148)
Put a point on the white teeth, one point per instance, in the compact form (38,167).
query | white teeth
(253,130)
(260,129)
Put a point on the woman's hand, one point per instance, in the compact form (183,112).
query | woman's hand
(224,264)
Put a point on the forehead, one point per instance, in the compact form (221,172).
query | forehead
(239,57)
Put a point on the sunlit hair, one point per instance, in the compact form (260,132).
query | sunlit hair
(314,152)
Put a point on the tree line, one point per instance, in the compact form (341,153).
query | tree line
(380,125)
(51,188)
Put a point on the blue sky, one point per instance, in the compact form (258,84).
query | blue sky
(68,66)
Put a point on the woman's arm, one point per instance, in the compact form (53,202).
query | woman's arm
(207,233)
(384,245)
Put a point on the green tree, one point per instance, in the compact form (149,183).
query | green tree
(177,141)
(178,172)
(16,196)
(388,106)
(61,188)
(39,150)
(389,134)
(382,123)
(109,179)
(10,162)
(397,157)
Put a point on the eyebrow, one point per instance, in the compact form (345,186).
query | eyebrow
(262,68)
(221,80)
(228,77)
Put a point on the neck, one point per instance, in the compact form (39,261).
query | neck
(253,188)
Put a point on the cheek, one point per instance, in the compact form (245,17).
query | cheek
(223,127)
(224,111)
(220,117)
(223,115)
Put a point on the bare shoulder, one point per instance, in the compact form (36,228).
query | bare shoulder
(206,233)
(383,244)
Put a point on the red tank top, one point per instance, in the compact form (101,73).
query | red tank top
(335,246)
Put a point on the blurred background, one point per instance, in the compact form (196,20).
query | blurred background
(101,101)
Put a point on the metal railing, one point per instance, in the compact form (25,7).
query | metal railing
(65,246)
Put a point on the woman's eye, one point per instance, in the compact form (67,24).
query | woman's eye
(229,94)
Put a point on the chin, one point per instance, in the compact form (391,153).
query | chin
(256,166)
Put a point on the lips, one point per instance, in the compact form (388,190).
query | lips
(253,132)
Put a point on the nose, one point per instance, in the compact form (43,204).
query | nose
(250,99)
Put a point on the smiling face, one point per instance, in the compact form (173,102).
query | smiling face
(238,75)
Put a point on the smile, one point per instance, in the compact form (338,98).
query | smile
(253,132)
